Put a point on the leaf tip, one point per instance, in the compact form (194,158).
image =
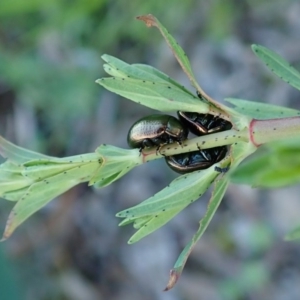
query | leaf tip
(10,226)
(149,20)
(174,276)
(7,233)
(105,57)
(91,182)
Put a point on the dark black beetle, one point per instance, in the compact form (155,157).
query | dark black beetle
(196,160)
(202,124)
(199,124)
(156,130)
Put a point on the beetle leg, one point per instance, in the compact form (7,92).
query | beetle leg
(141,150)
(146,143)
(159,142)
(174,140)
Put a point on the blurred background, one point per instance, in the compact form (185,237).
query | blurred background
(73,249)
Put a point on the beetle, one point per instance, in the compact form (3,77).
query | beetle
(199,124)
(196,160)
(156,130)
(202,124)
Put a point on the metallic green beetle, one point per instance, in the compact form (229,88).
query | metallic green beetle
(156,130)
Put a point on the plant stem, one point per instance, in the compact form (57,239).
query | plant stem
(224,138)
(265,131)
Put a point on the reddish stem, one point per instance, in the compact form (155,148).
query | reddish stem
(265,131)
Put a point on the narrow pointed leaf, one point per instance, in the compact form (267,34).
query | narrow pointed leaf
(140,222)
(156,95)
(115,66)
(10,170)
(259,110)
(118,68)
(9,187)
(41,192)
(113,72)
(156,211)
(178,52)
(270,169)
(43,168)
(160,76)
(182,59)
(155,222)
(15,194)
(18,154)
(217,196)
(182,191)
(116,162)
(11,179)
(278,65)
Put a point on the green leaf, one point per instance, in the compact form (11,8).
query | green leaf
(189,186)
(174,46)
(153,223)
(33,179)
(278,65)
(40,193)
(137,222)
(276,178)
(44,168)
(238,152)
(248,172)
(259,110)
(118,68)
(116,162)
(161,76)
(184,62)
(157,95)
(11,179)
(217,196)
(289,144)
(16,178)
(14,194)
(154,212)
(148,86)
(17,154)
(276,165)
(140,222)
